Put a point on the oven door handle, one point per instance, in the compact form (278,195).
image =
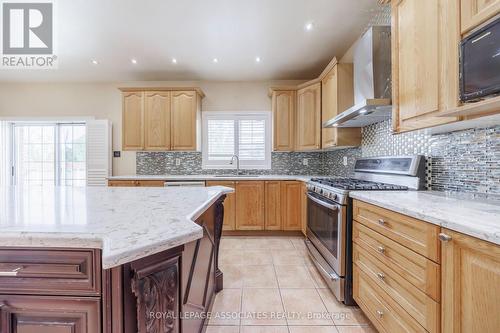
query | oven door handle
(322,203)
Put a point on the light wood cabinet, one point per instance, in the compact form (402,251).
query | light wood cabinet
(337,95)
(273,205)
(134,183)
(229,204)
(185,120)
(283,108)
(425,36)
(133,121)
(475,12)
(303,205)
(308,125)
(470,284)
(291,212)
(157,120)
(250,212)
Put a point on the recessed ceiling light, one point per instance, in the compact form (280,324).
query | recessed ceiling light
(174,61)
(257,59)
(95,62)
(134,61)
(309,26)
(215,60)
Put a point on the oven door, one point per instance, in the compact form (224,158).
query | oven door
(326,229)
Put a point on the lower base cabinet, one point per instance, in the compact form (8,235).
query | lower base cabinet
(250,212)
(291,205)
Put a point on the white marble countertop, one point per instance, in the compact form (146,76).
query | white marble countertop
(212,177)
(458,212)
(126,223)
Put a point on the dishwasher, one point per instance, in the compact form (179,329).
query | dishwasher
(184,184)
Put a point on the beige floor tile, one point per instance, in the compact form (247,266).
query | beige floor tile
(269,243)
(305,308)
(293,276)
(313,329)
(231,257)
(287,257)
(232,242)
(233,275)
(298,243)
(319,282)
(228,301)
(223,329)
(256,257)
(262,307)
(342,314)
(356,329)
(263,329)
(259,276)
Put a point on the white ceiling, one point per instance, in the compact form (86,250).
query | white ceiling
(196,31)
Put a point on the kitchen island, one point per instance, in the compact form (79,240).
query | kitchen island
(105,259)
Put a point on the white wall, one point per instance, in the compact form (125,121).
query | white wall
(103,101)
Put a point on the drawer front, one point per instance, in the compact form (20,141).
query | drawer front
(414,268)
(418,305)
(421,237)
(384,313)
(51,272)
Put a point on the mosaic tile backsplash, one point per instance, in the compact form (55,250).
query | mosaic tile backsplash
(466,161)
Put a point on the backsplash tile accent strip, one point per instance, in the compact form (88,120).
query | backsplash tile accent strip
(465,161)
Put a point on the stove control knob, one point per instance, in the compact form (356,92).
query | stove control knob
(333,196)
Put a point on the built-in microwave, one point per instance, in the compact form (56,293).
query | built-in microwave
(480,62)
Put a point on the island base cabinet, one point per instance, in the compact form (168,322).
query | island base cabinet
(470,284)
(49,314)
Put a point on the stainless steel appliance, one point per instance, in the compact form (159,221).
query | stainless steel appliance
(480,62)
(329,213)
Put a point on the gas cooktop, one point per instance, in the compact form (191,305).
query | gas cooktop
(356,184)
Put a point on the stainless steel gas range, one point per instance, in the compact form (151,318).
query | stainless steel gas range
(329,213)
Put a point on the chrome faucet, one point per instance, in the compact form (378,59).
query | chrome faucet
(238,172)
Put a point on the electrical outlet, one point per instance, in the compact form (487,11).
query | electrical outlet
(177,161)
(305,161)
(345,161)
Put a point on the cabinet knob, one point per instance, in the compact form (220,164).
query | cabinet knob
(381,249)
(381,221)
(380,313)
(381,276)
(444,237)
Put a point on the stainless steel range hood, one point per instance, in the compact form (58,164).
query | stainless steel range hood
(372,81)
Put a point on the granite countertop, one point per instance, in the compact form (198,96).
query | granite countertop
(126,223)
(458,212)
(212,177)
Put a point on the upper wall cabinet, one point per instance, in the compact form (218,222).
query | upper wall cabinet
(283,106)
(161,119)
(476,12)
(337,90)
(157,120)
(133,121)
(425,35)
(308,127)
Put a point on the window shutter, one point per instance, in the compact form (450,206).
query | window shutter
(220,139)
(252,135)
(98,152)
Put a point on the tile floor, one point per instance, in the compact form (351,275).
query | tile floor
(271,286)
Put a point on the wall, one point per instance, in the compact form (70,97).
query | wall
(103,100)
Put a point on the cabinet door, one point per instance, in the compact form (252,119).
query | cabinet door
(229,205)
(470,284)
(185,111)
(46,314)
(475,12)
(283,120)
(329,107)
(291,212)
(250,205)
(273,205)
(308,132)
(303,204)
(157,121)
(133,121)
(123,183)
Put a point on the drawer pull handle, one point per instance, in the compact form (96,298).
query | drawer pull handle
(13,272)
(381,249)
(380,313)
(444,237)
(381,221)
(381,276)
